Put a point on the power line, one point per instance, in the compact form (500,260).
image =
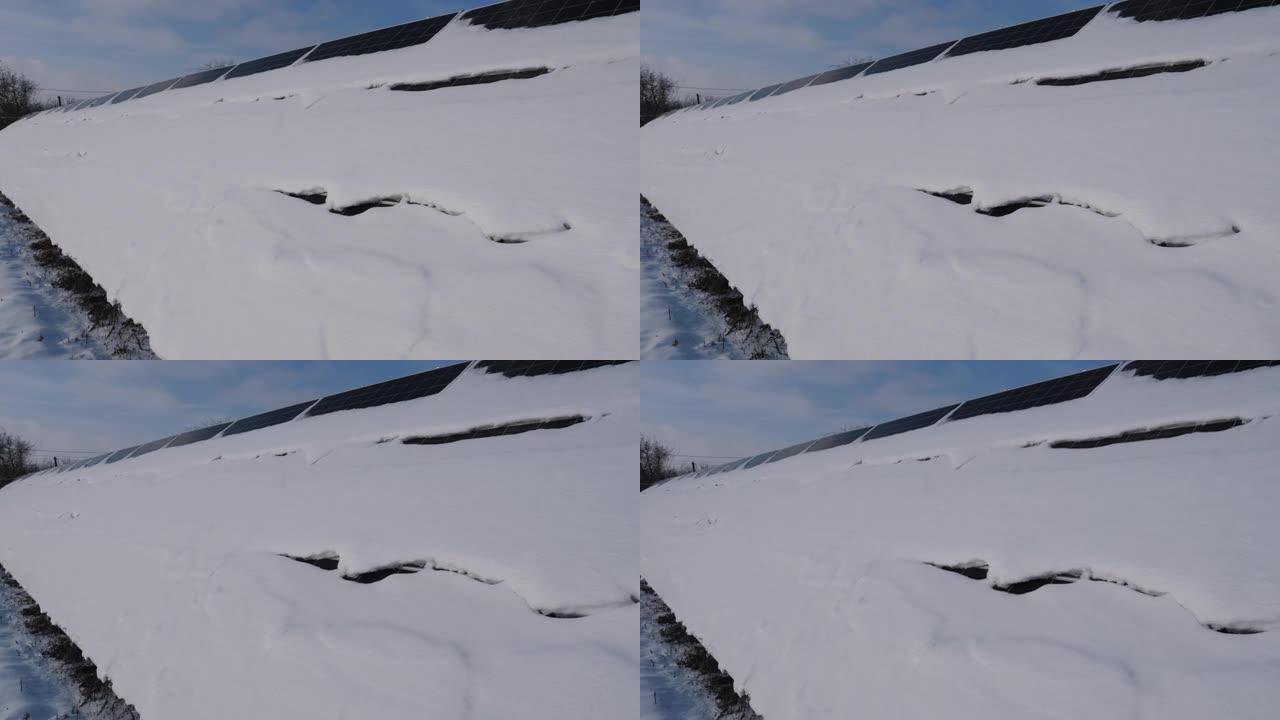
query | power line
(88,92)
(711,89)
(708,457)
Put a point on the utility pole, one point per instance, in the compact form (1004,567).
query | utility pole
(59,101)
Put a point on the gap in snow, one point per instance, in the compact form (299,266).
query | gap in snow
(326,560)
(487,431)
(1158,433)
(379,574)
(473,79)
(1122,73)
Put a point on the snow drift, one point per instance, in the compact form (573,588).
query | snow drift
(475,215)
(1104,195)
(972,569)
(341,566)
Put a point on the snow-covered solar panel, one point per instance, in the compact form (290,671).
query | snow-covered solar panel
(267,419)
(1049,392)
(1144,10)
(119,455)
(539,13)
(907,59)
(97,460)
(534,368)
(156,88)
(739,98)
(1183,369)
(127,95)
(837,440)
(764,92)
(907,424)
(758,460)
(393,391)
(151,447)
(795,84)
(1029,33)
(199,435)
(792,451)
(271,62)
(200,78)
(392,38)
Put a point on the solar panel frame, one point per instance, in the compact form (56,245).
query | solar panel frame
(397,37)
(1045,30)
(1162,10)
(918,421)
(839,439)
(535,368)
(909,59)
(267,419)
(417,386)
(198,435)
(1184,369)
(540,13)
(1048,392)
(268,63)
(202,78)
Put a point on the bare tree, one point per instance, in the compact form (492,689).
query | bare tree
(17,96)
(15,458)
(655,461)
(657,94)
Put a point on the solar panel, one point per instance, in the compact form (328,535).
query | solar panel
(393,391)
(1030,33)
(119,455)
(733,465)
(1143,10)
(843,73)
(267,419)
(722,102)
(477,79)
(100,101)
(795,85)
(392,38)
(533,368)
(907,424)
(200,78)
(196,436)
(127,95)
(271,62)
(835,441)
(97,460)
(151,447)
(157,87)
(792,451)
(1162,433)
(758,460)
(739,98)
(1183,369)
(907,59)
(1049,392)
(539,13)
(765,92)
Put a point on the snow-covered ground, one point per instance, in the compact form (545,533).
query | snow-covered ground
(30,687)
(175,202)
(170,571)
(813,581)
(1159,236)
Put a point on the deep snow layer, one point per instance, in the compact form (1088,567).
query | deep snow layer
(810,202)
(167,570)
(171,202)
(809,579)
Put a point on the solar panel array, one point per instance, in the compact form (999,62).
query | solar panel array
(393,391)
(506,15)
(909,423)
(1183,369)
(1049,29)
(533,368)
(267,419)
(1049,392)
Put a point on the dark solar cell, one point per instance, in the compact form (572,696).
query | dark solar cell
(119,455)
(758,460)
(794,85)
(126,95)
(477,79)
(532,368)
(97,460)
(1031,33)
(1142,10)
(394,391)
(1049,392)
(907,424)
(200,78)
(267,419)
(739,98)
(538,13)
(1182,369)
(765,92)
(792,451)
(843,73)
(150,447)
(392,38)
(835,441)
(157,87)
(907,59)
(200,435)
(271,62)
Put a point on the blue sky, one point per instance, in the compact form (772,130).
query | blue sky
(746,44)
(735,409)
(109,405)
(118,44)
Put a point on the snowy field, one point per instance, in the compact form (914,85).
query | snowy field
(509,231)
(30,687)
(1154,591)
(519,587)
(1153,232)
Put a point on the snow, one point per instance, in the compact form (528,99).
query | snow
(171,202)
(29,688)
(809,581)
(667,691)
(810,202)
(195,614)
